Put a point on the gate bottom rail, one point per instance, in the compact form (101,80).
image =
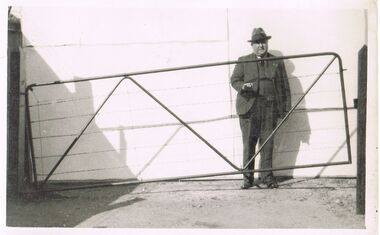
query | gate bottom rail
(178,178)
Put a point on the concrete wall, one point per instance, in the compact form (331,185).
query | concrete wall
(132,137)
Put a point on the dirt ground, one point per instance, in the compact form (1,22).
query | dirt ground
(298,203)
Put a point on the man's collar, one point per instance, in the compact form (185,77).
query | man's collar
(263,56)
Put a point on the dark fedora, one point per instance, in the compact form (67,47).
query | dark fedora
(259,35)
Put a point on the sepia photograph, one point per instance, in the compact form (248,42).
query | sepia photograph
(229,117)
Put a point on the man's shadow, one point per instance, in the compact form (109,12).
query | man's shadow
(294,131)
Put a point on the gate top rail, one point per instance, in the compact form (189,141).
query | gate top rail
(30,86)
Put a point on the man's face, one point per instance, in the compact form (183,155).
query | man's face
(260,48)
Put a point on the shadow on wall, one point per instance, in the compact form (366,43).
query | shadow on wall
(296,130)
(58,114)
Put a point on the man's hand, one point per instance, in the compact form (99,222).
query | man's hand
(247,86)
(247,90)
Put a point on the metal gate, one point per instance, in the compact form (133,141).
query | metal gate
(41,186)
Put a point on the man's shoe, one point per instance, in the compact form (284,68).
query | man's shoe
(258,184)
(269,182)
(246,185)
(272,185)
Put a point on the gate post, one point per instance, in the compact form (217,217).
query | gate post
(361,127)
(15,171)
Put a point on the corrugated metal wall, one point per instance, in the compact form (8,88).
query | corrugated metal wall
(132,137)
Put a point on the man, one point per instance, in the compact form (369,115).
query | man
(263,97)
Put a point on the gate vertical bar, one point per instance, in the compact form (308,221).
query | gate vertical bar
(29,137)
(343,90)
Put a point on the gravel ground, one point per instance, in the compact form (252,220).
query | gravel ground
(298,203)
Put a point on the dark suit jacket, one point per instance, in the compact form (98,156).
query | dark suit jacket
(249,72)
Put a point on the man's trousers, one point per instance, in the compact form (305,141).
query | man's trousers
(257,125)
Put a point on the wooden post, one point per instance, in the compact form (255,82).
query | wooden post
(361,127)
(13,80)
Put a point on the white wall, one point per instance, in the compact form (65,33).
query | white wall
(132,137)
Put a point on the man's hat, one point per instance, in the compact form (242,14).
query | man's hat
(258,35)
